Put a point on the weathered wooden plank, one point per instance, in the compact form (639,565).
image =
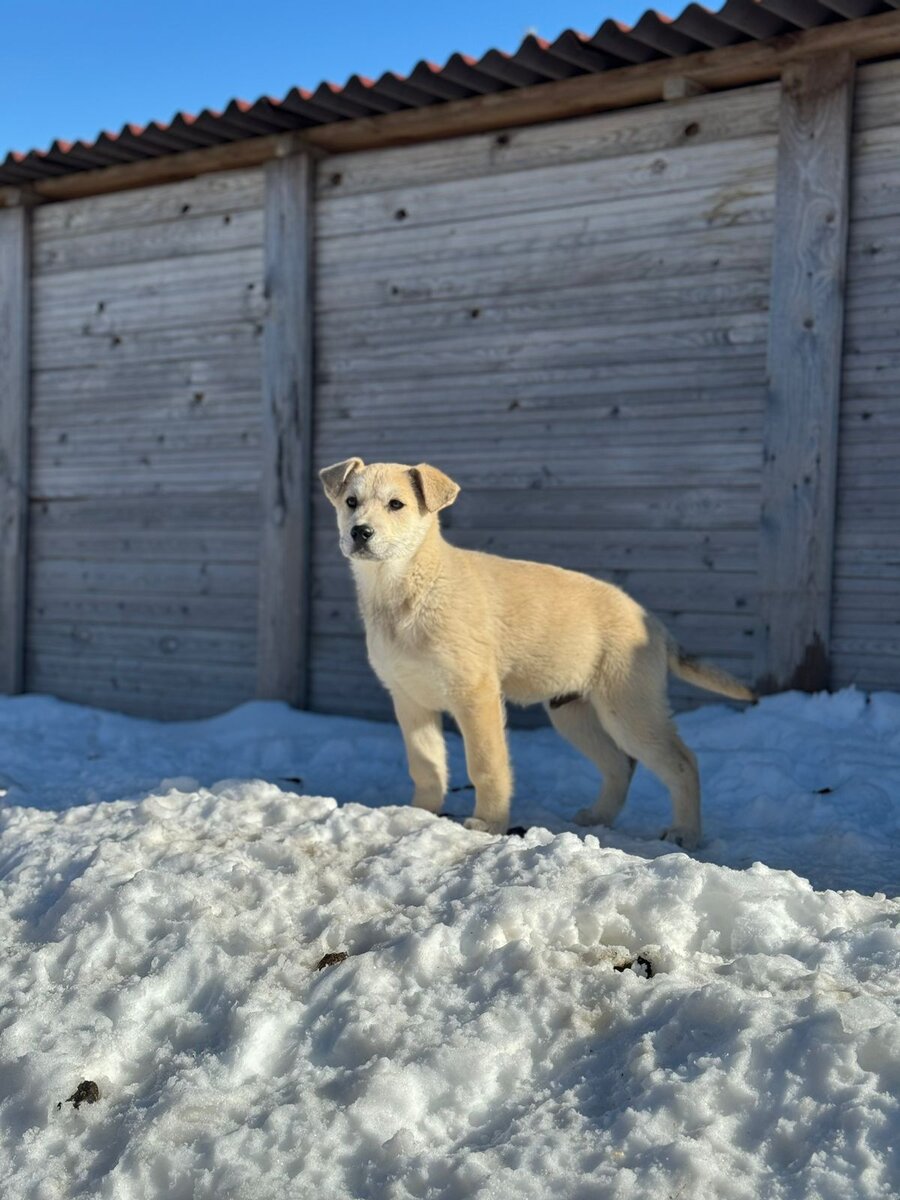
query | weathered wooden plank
(686,550)
(873,524)
(103,301)
(287,431)
(608,434)
(512,262)
(223,449)
(87,640)
(199,474)
(877,97)
(575,345)
(595,181)
(736,323)
(217,233)
(804,360)
(226,343)
(165,691)
(872,674)
(861,609)
(102,409)
(853,586)
(571,385)
(720,292)
(183,514)
(169,471)
(738,408)
(883,645)
(226,191)
(14,416)
(699,507)
(187,579)
(515,461)
(204,381)
(706,211)
(97,542)
(740,113)
(203,613)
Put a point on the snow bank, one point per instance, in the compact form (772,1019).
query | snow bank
(478,1040)
(491,1032)
(807,783)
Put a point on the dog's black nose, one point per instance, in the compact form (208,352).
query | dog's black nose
(361,533)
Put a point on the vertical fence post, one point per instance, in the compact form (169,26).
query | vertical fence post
(800,431)
(15,305)
(284,575)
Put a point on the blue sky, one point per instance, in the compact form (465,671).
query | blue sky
(69,69)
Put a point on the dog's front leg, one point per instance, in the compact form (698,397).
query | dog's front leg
(481,720)
(426,751)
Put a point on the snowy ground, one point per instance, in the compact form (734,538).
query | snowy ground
(167,892)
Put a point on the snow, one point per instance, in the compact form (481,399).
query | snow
(168,891)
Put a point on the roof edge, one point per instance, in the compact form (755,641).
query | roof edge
(864,38)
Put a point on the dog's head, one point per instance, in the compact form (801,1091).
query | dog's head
(385,510)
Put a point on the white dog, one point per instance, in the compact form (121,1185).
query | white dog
(457,631)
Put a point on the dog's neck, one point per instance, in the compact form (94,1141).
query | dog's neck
(394,592)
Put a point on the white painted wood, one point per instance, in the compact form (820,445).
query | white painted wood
(284,582)
(14,402)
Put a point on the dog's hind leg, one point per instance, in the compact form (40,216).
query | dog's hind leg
(638,721)
(579,724)
(426,751)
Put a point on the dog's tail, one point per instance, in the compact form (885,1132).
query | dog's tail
(704,674)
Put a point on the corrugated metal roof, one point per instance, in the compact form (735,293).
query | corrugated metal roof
(613,45)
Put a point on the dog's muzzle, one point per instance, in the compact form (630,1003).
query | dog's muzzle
(361,535)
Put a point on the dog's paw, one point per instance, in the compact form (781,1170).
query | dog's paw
(680,835)
(480,826)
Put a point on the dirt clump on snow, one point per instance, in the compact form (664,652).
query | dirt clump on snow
(87,1092)
(331,960)
(640,966)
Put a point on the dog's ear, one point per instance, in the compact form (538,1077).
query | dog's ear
(334,479)
(436,489)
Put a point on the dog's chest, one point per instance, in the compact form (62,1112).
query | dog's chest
(401,660)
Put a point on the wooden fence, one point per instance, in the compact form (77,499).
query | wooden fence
(658,344)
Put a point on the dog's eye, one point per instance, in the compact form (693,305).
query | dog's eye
(352,502)
(395,505)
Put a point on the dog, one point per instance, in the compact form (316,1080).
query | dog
(461,632)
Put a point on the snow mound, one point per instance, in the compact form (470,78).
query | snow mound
(806,783)
(490,1034)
